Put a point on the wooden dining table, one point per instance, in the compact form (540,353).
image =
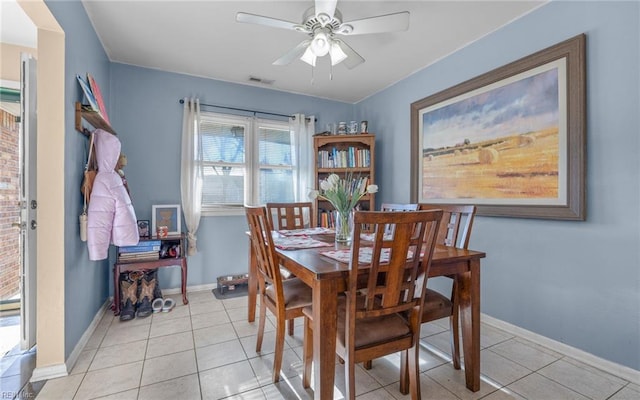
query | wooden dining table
(327,277)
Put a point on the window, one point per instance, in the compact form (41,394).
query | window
(246,161)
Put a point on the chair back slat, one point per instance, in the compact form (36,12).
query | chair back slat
(397,207)
(292,215)
(396,262)
(456,225)
(264,250)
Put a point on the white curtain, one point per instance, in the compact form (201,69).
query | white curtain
(303,129)
(191,171)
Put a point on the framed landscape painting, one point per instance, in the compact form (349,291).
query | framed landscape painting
(166,215)
(511,141)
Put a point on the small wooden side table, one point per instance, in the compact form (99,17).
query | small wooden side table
(130,265)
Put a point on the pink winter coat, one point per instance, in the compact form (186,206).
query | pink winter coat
(111,217)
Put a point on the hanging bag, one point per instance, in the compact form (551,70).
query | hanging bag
(87,185)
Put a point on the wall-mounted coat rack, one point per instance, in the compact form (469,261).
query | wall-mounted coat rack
(92,117)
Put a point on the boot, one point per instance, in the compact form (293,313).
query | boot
(146,295)
(129,299)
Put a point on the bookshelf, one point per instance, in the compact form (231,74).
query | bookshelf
(341,154)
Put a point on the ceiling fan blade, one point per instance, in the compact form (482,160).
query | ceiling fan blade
(383,23)
(327,7)
(267,21)
(294,53)
(353,59)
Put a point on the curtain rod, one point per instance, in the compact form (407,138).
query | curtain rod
(181,101)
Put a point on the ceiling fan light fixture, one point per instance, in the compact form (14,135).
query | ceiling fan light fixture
(336,53)
(309,57)
(320,44)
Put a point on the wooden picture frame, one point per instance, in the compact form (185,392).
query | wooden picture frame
(511,141)
(166,215)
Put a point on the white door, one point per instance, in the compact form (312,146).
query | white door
(28,202)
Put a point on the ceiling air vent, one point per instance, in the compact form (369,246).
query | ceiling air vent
(254,79)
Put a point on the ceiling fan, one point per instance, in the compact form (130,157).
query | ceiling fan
(323,23)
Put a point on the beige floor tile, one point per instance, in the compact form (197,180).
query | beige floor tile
(174,343)
(454,381)
(241,314)
(268,344)
(263,366)
(206,320)
(536,386)
(126,395)
(429,389)
(235,303)
(526,353)
(185,387)
(200,296)
(500,369)
(163,327)
(287,389)
(205,306)
(215,334)
(61,388)
(219,354)
(255,394)
(580,378)
(432,328)
(379,394)
(441,341)
(236,378)
(385,370)
(244,328)
(120,333)
(83,361)
(490,336)
(111,380)
(167,367)
(627,393)
(110,356)
(504,394)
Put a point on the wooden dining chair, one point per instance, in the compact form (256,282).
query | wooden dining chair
(285,298)
(289,216)
(292,215)
(380,315)
(455,231)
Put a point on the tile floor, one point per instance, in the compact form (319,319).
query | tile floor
(206,350)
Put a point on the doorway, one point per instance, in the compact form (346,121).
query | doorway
(18,210)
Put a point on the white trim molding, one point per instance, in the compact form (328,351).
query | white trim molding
(618,370)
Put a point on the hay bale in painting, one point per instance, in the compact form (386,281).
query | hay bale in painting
(488,156)
(526,140)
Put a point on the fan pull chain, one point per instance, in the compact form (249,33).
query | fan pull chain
(312,76)
(331,71)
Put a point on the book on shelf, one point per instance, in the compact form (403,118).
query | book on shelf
(140,256)
(151,245)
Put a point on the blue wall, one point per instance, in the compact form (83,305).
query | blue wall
(575,282)
(86,282)
(148,118)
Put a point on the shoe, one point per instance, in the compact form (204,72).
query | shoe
(144,298)
(127,309)
(157,305)
(168,304)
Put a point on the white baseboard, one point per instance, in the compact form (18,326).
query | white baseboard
(60,370)
(196,288)
(49,372)
(618,370)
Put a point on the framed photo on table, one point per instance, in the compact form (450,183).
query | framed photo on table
(511,141)
(166,215)
(144,230)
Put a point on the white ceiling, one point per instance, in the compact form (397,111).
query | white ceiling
(202,38)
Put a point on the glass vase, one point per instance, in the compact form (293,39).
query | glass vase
(344,226)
